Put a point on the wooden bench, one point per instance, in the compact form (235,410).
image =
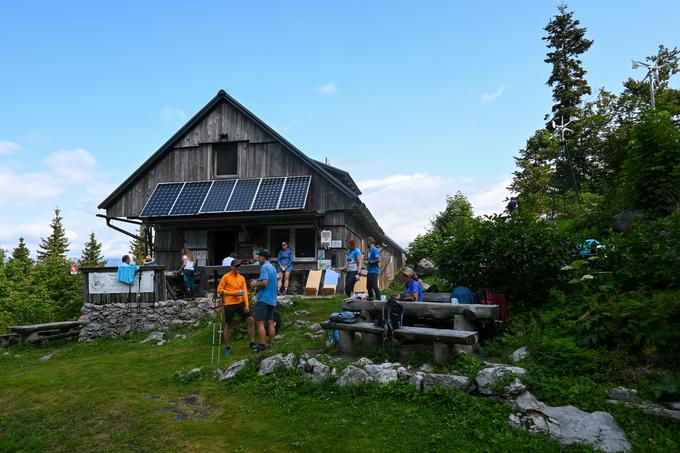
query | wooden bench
(441,338)
(7,339)
(44,333)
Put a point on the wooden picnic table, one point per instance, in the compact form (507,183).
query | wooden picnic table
(427,310)
(43,333)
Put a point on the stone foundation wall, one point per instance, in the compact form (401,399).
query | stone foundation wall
(112,320)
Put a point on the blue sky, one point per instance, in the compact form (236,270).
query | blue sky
(416,100)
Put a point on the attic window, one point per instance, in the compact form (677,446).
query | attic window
(226,159)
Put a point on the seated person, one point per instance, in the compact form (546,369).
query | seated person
(412,290)
(227,261)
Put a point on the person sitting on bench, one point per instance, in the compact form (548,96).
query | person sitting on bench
(412,290)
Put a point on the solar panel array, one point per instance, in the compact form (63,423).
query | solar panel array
(229,195)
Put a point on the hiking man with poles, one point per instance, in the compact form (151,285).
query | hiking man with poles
(234,292)
(266,300)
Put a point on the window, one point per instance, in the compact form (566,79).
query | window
(302,239)
(305,243)
(226,159)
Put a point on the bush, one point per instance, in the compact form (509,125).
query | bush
(648,256)
(521,257)
(644,324)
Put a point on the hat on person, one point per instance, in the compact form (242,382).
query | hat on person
(235,263)
(148,260)
(407,271)
(264,253)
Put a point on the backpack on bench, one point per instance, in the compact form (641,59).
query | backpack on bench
(344,317)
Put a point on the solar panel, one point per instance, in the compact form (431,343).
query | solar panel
(161,200)
(191,198)
(218,197)
(268,194)
(294,193)
(243,194)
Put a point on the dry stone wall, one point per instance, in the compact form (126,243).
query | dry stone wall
(112,320)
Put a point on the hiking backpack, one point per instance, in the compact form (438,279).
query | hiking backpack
(344,317)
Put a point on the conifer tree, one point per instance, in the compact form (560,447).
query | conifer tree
(21,255)
(138,247)
(56,244)
(92,253)
(567,42)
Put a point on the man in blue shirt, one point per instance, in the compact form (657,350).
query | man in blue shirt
(373,270)
(266,300)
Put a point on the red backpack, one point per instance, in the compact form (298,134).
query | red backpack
(488,297)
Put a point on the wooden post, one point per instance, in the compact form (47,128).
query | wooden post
(460,323)
(442,352)
(347,341)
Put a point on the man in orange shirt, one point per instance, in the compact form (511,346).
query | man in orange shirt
(234,292)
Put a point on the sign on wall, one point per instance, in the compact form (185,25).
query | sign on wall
(326,238)
(336,244)
(108,283)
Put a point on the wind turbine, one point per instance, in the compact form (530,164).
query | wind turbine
(652,75)
(561,129)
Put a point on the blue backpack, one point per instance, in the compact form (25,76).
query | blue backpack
(463,294)
(344,317)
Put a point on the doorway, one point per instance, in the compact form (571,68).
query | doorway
(223,244)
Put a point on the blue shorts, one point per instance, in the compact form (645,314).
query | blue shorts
(288,269)
(264,312)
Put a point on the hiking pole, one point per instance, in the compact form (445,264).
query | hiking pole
(212,352)
(219,350)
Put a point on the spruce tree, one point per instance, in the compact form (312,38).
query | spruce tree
(138,248)
(21,255)
(92,253)
(567,42)
(56,244)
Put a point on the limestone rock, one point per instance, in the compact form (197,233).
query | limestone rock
(316,327)
(154,336)
(352,376)
(276,363)
(623,394)
(314,369)
(195,372)
(568,424)
(425,267)
(232,370)
(520,354)
(426,368)
(302,313)
(299,323)
(383,373)
(45,358)
(488,378)
(447,381)
(362,362)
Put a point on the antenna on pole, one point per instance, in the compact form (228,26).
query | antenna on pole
(560,130)
(652,75)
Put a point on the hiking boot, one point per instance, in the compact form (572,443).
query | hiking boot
(259,348)
(252,345)
(227,350)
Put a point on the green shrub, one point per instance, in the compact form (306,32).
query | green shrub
(521,257)
(648,256)
(642,323)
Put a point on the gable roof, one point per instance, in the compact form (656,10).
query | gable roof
(222,96)
(343,175)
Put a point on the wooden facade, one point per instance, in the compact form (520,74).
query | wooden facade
(332,204)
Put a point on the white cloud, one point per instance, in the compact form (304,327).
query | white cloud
(22,188)
(404,204)
(489,97)
(8,147)
(172,115)
(71,166)
(329,88)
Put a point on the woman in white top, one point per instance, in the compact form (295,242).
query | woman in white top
(187,268)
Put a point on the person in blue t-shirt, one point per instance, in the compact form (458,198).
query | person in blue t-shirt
(373,270)
(354,261)
(284,263)
(412,289)
(266,300)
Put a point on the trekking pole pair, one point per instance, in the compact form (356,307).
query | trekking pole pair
(215,330)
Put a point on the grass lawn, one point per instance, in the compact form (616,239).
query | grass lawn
(119,395)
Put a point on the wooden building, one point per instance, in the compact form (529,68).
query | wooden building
(257,189)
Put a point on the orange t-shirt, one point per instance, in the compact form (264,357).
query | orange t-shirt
(231,283)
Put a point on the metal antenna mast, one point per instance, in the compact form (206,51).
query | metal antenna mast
(560,130)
